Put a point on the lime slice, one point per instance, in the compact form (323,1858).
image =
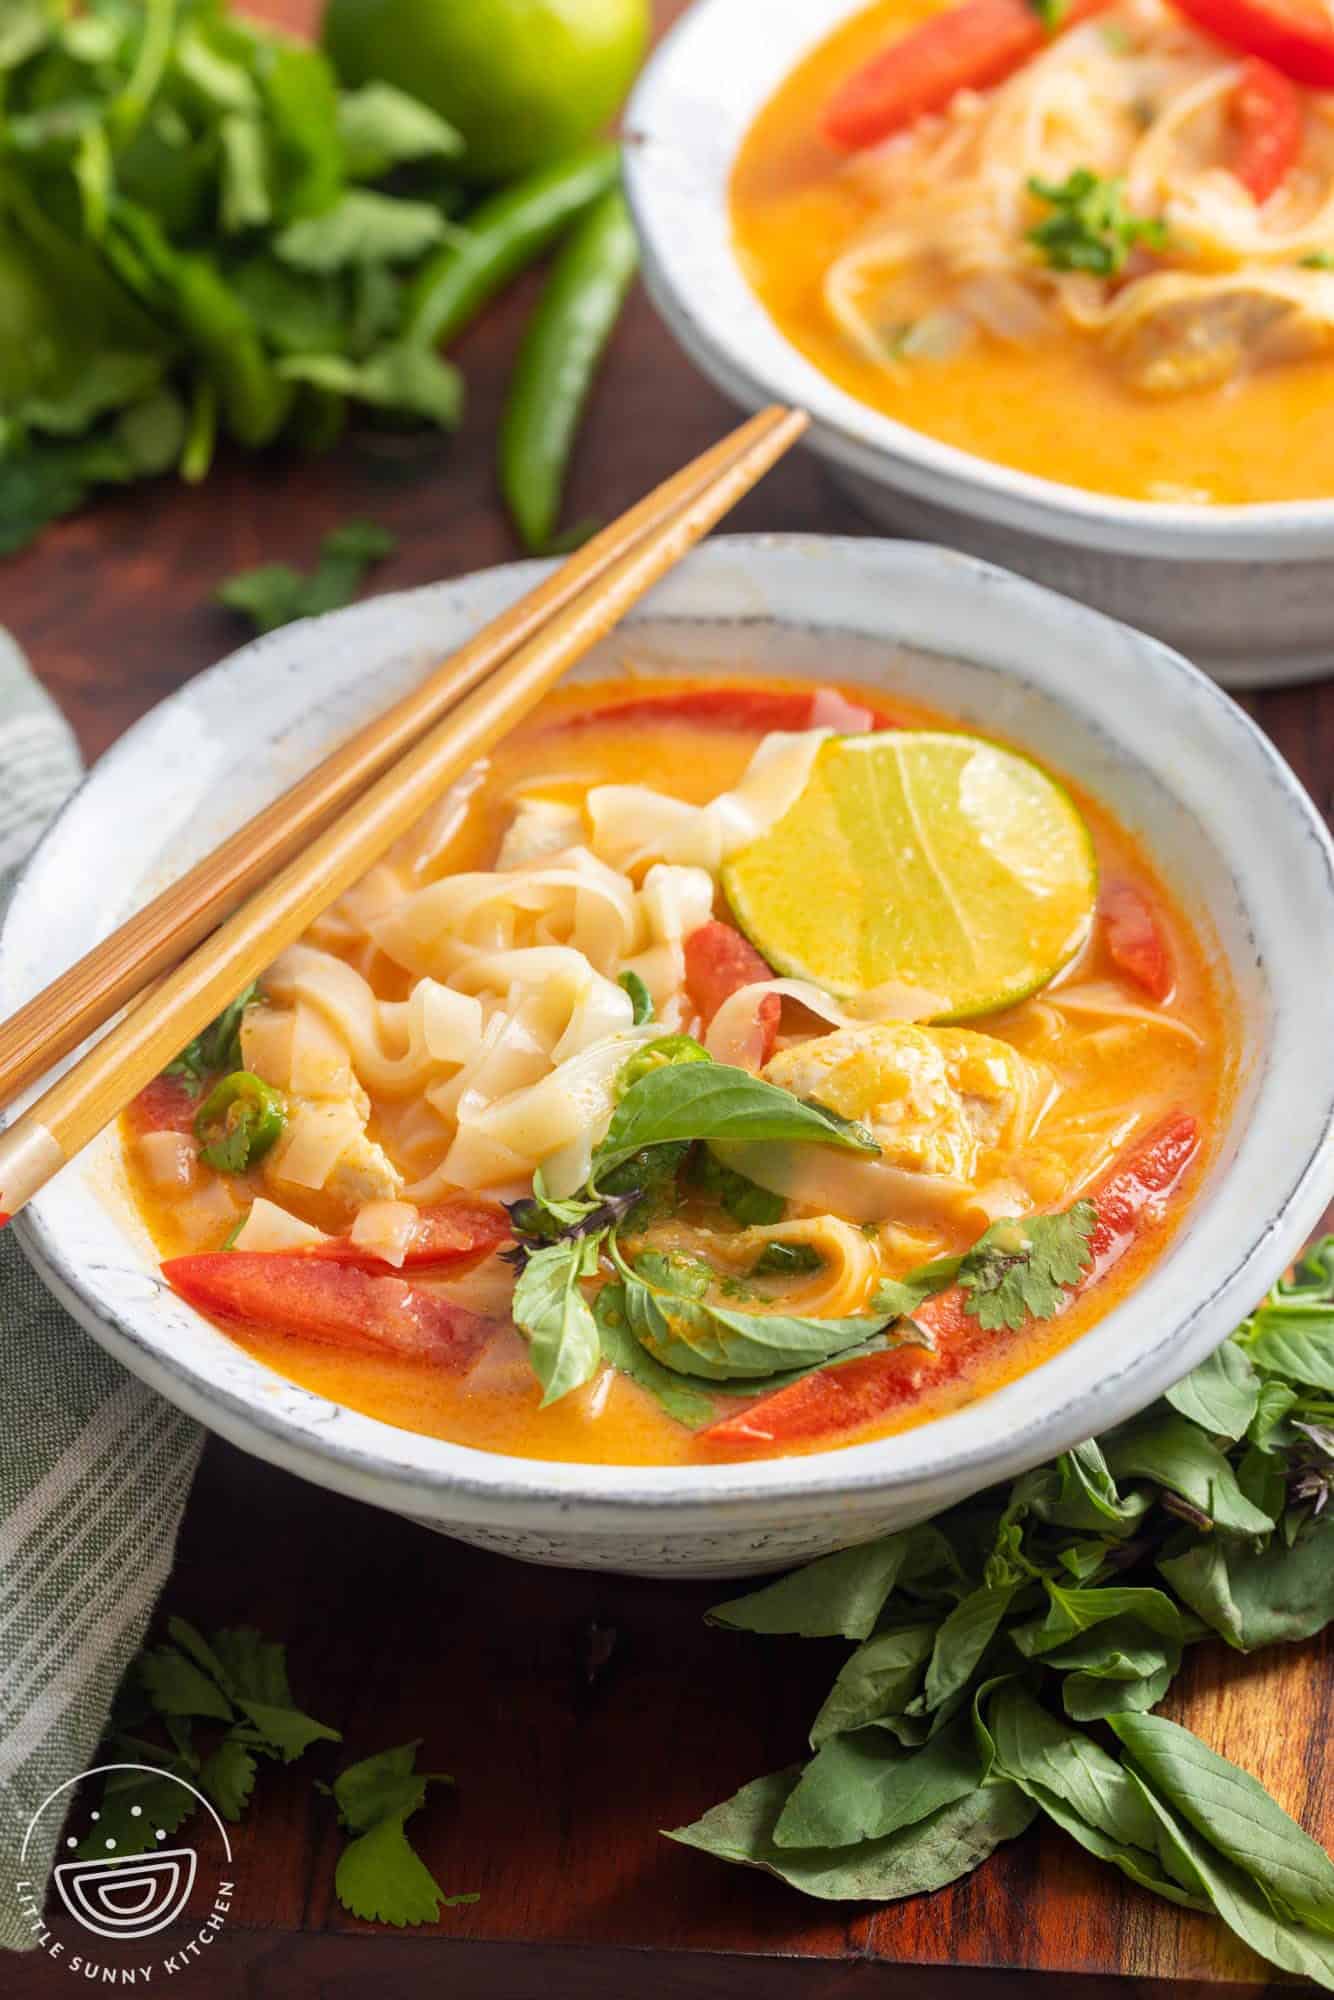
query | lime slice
(921,856)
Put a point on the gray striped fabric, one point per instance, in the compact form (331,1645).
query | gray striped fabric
(94,1468)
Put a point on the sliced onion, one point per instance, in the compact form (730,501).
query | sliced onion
(384,1229)
(1005,306)
(733,1032)
(169,1158)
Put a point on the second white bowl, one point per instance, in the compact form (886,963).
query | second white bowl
(1245,592)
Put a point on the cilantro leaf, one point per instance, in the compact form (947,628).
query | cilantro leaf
(275,594)
(1090,227)
(363,227)
(160,1802)
(381,127)
(1019,1270)
(228,1776)
(402,375)
(218,1046)
(176,1686)
(379,1876)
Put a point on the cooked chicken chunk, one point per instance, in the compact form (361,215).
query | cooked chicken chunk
(937,1099)
(1177,331)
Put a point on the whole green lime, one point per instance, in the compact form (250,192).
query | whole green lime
(523,80)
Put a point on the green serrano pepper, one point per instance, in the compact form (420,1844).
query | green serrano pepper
(501,237)
(557,362)
(238,1122)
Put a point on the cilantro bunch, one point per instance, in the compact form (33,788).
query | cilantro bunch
(1007,1656)
(201,237)
(225,1703)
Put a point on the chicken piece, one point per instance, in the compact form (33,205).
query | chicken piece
(364,1172)
(1177,331)
(938,1100)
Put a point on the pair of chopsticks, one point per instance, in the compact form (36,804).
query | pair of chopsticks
(324,833)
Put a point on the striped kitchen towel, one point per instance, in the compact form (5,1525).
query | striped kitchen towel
(94,1468)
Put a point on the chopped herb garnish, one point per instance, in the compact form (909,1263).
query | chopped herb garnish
(275,594)
(786,1260)
(640,997)
(218,1046)
(380,1877)
(238,1122)
(1051,13)
(1090,229)
(1319,260)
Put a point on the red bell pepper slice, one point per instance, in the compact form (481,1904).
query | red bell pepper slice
(1136,944)
(744,708)
(971,47)
(443,1235)
(337,1304)
(1267,126)
(1296,38)
(167,1104)
(847,1397)
(719,962)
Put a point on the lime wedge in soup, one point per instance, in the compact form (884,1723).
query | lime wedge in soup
(919,856)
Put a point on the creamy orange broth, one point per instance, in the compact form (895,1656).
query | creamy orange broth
(611,1420)
(1051,407)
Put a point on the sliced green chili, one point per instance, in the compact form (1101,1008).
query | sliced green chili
(557,363)
(238,1122)
(501,237)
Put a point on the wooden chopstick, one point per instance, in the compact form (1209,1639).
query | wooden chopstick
(158,936)
(103,1082)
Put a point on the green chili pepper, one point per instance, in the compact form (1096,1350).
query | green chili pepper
(557,363)
(640,997)
(238,1122)
(501,237)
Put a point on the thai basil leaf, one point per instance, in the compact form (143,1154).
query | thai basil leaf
(840,1596)
(1036,1749)
(1255,1598)
(687,1405)
(1071,1612)
(881,1678)
(1243,1906)
(1221,1395)
(1114,1666)
(551,1310)
(963,1640)
(717,1344)
(710,1100)
(752,1206)
(1235,1814)
(1296,1341)
(1170,1450)
(1143,1868)
(858,1788)
(937,1851)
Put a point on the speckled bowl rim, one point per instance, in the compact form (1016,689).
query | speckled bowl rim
(1252,1238)
(691,107)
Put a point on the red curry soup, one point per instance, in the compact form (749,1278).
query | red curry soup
(1093,240)
(728,1068)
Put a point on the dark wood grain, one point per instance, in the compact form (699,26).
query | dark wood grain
(579,1713)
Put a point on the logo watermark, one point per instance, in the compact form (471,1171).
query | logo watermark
(130,1898)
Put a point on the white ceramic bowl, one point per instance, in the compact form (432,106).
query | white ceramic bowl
(1173,755)
(1243,591)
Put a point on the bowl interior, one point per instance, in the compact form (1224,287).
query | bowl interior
(1176,759)
(690,112)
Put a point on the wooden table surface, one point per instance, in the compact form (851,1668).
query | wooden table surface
(579,1713)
